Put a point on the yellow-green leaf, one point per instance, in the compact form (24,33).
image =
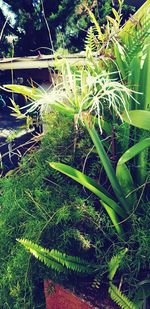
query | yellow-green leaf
(32,93)
(138,118)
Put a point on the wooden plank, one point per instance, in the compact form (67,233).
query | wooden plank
(38,64)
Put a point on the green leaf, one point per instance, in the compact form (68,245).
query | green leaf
(134,81)
(115,263)
(121,60)
(145,76)
(112,20)
(130,26)
(120,299)
(142,162)
(107,166)
(114,217)
(57,260)
(97,26)
(138,118)
(90,184)
(32,93)
(126,182)
(63,109)
(133,151)
(116,15)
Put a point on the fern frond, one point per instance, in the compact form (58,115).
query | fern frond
(90,40)
(59,179)
(115,263)
(137,39)
(120,299)
(57,260)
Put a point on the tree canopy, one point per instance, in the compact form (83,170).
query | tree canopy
(38,23)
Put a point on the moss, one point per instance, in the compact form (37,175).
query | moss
(40,204)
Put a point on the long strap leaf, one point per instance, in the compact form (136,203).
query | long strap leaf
(126,182)
(90,184)
(114,218)
(134,150)
(108,167)
(123,173)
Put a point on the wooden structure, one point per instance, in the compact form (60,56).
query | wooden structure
(37,68)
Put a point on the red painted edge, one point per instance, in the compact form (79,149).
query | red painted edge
(59,298)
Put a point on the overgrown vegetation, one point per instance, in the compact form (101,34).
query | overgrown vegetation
(85,227)
(37,202)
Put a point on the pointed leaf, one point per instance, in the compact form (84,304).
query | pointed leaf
(114,263)
(116,15)
(134,150)
(126,182)
(90,184)
(32,93)
(107,166)
(113,217)
(138,118)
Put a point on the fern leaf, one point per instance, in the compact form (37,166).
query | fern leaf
(137,39)
(59,179)
(115,263)
(120,299)
(57,260)
(90,40)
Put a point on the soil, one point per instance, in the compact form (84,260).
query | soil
(98,297)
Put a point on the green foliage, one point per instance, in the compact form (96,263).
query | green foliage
(90,90)
(93,187)
(88,183)
(138,118)
(37,201)
(57,260)
(32,93)
(67,20)
(114,263)
(134,150)
(120,299)
(117,296)
(90,40)
(36,204)
(106,163)
(137,41)
(125,183)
